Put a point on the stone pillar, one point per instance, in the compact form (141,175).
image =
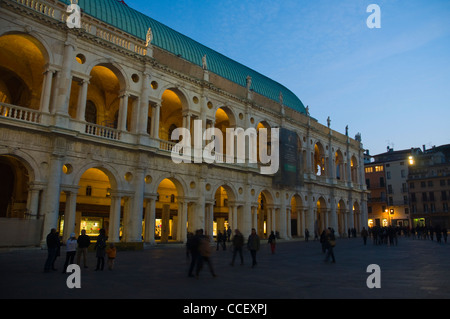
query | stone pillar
(82,97)
(50,207)
(288,223)
(182,221)
(123,112)
(149,221)
(155,120)
(69,214)
(143,104)
(209,220)
(165,223)
(135,214)
(33,201)
(114,218)
(65,78)
(46,91)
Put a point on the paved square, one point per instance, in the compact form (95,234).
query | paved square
(412,269)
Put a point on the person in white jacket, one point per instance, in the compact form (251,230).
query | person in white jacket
(71,249)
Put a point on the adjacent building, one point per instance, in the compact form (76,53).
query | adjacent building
(386,178)
(429,187)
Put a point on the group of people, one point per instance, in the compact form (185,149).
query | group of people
(390,234)
(198,248)
(429,232)
(79,247)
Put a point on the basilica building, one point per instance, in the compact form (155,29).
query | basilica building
(88,108)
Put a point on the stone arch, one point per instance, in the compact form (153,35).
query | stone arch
(107,90)
(225,214)
(319,160)
(322,218)
(339,165)
(265,212)
(23,60)
(357,216)
(90,200)
(298,218)
(109,170)
(173,112)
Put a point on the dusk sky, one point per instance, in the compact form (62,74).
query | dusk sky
(390,84)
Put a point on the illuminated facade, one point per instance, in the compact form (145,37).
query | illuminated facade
(429,187)
(386,179)
(86,117)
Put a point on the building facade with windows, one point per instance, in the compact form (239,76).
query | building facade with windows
(386,179)
(86,122)
(429,188)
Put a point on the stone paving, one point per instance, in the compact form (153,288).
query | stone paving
(413,269)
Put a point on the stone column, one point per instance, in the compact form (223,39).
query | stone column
(135,215)
(182,220)
(123,112)
(33,201)
(288,223)
(82,97)
(149,220)
(65,78)
(114,218)
(69,214)
(156,111)
(50,207)
(143,107)
(46,91)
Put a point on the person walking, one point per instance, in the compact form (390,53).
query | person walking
(52,241)
(193,250)
(238,243)
(221,240)
(204,250)
(83,243)
(100,247)
(253,245)
(272,242)
(329,246)
(364,234)
(306,234)
(111,251)
(71,250)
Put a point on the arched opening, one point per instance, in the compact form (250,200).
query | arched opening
(298,223)
(88,206)
(221,211)
(265,214)
(319,160)
(322,217)
(166,211)
(13,188)
(171,115)
(22,63)
(339,165)
(104,105)
(224,119)
(263,149)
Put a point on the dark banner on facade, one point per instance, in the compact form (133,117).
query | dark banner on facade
(289,170)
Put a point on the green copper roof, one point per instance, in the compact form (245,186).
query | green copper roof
(123,17)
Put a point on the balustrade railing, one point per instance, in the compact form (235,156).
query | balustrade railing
(102,131)
(19,113)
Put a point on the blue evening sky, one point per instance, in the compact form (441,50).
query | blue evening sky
(391,84)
